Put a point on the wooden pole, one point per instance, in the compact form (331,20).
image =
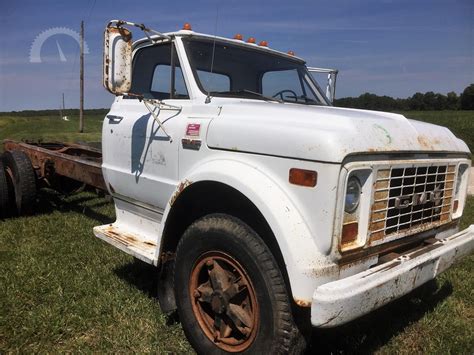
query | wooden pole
(60,112)
(81,108)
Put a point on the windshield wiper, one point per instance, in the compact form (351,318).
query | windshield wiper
(245,91)
(310,101)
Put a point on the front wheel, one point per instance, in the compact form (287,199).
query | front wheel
(229,290)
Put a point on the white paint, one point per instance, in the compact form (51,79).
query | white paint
(250,145)
(341,301)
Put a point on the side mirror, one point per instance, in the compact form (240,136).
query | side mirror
(117,65)
(331,81)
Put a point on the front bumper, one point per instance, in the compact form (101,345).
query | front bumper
(341,301)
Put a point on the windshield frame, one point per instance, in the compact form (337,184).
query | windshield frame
(303,73)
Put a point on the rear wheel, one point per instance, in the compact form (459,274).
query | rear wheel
(4,195)
(230,293)
(18,167)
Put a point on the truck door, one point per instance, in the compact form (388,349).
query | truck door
(140,160)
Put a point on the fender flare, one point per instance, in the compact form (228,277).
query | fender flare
(297,246)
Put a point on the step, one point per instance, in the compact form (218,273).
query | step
(129,242)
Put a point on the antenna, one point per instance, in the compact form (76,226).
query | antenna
(81,83)
(208,98)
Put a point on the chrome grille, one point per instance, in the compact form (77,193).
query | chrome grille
(409,199)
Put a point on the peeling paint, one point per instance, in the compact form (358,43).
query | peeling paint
(183,185)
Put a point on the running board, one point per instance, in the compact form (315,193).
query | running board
(130,243)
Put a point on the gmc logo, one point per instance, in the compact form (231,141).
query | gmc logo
(420,198)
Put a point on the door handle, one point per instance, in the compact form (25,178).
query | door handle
(114,118)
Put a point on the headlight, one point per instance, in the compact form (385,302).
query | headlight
(353,192)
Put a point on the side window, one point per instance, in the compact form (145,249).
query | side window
(151,76)
(213,81)
(274,82)
(160,83)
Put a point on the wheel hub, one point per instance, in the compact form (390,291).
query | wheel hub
(224,301)
(218,302)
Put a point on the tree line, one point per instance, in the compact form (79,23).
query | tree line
(419,101)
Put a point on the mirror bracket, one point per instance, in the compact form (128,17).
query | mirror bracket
(331,81)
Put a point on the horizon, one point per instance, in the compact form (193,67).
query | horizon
(386,48)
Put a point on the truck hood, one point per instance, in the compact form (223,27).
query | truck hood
(322,133)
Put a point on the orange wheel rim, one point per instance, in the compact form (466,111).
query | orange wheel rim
(224,301)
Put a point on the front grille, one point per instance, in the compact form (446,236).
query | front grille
(410,199)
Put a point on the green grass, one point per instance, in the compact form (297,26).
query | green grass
(50,128)
(63,290)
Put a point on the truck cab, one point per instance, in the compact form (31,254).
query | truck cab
(264,207)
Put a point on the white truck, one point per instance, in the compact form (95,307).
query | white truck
(264,208)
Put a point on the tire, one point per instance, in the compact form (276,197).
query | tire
(4,193)
(23,177)
(217,253)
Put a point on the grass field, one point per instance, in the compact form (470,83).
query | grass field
(50,128)
(62,290)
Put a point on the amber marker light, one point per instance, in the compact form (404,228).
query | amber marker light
(349,233)
(239,37)
(251,40)
(263,44)
(187,26)
(291,53)
(303,177)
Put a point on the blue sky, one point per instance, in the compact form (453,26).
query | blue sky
(387,47)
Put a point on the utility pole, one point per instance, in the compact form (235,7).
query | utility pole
(64,107)
(81,107)
(61,111)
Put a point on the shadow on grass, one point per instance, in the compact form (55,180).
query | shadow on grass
(370,332)
(141,275)
(145,278)
(364,335)
(85,204)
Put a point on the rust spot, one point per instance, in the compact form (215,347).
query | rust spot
(303,303)
(78,162)
(125,238)
(428,143)
(182,185)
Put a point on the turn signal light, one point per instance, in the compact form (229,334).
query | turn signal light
(349,233)
(291,53)
(251,40)
(303,177)
(187,26)
(239,37)
(263,44)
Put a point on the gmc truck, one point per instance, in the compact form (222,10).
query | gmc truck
(265,209)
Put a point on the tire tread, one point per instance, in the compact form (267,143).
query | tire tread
(290,339)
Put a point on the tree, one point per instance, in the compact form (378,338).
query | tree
(452,101)
(467,98)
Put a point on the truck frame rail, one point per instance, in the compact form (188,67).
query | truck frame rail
(51,160)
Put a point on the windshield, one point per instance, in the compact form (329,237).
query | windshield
(242,72)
